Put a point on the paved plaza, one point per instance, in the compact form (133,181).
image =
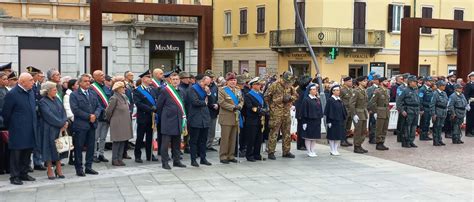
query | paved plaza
(350,177)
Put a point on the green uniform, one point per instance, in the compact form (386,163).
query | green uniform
(280,119)
(359,101)
(457,107)
(347,93)
(379,104)
(372,119)
(439,109)
(409,102)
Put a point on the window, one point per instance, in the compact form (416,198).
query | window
(243,65)
(458,15)
(393,70)
(426,12)
(424,70)
(227,23)
(243,21)
(260,68)
(261,20)
(299,35)
(227,66)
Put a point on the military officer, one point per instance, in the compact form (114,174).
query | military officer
(360,117)
(378,104)
(469,94)
(401,120)
(347,93)
(458,106)
(425,93)
(408,105)
(439,111)
(280,97)
(372,120)
(448,126)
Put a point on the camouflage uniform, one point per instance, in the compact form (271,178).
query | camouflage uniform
(280,119)
(439,110)
(379,104)
(360,101)
(457,106)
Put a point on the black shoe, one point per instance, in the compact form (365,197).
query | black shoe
(271,156)
(259,158)
(194,163)
(461,142)
(224,161)
(456,142)
(251,159)
(71,163)
(126,156)
(413,145)
(138,161)
(186,150)
(30,169)
(96,160)
(179,164)
(205,162)
(381,147)
(442,143)
(153,158)
(289,155)
(80,173)
(211,149)
(58,176)
(302,148)
(166,166)
(372,141)
(103,159)
(91,171)
(365,150)
(469,135)
(27,178)
(358,150)
(16,181)
(436,144)
(39,167)
(233,161)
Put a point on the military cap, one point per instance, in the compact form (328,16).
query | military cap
(287,76)
(381,79)
(470,74)
(146,73)
(456,86)
(6,67)
(376,77)
(12,76)
(209,73)
(451,74)
(412,78)
(230,76)
(108,78)
(440,83)
(184,75)
(199,77)
(428,78)
(32,69)
(255,80)
(347,78)
(405,76)
(361,78)
(240,79)
(168,74)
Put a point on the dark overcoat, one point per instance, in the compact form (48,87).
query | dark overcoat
(171,117)
(52,119)
(198,115)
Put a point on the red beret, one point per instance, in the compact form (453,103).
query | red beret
(230,76)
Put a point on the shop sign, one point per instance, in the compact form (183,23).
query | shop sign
(164,46)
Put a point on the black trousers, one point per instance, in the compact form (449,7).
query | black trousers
(299,131)
(83,138)
(143,130)
(159,137)
(4,157)
(470,121)
(197,142)
(254,140)
(175,141)
(20,162)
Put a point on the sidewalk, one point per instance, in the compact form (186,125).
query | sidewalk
(348,177)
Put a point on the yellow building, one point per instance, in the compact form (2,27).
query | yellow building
(365,34)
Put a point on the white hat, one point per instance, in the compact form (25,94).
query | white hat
(451,74)
(470,74)
(256,79)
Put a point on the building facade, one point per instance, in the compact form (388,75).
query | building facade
(55,34)
(349,37)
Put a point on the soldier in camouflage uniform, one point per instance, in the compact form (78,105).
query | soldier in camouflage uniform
(379,103)
(372,120)
(408,105)
(347,92)
(439,111)
(280,97)
(425,93)
(458,106)
(359,101)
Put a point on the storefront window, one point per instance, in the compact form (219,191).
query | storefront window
(227,66)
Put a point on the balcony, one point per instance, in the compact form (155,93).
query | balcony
(329,37)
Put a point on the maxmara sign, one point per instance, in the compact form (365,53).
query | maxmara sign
(162,45)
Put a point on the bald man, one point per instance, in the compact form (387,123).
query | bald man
(19,116)
(157,84)
(103,94)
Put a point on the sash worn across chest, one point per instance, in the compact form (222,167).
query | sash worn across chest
(202,94)
(257,96)
(177,99)
(236,102)
(103,97)
(147,95)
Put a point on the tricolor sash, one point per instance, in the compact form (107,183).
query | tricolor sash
(202,94)
(178,101)
(59,97)
(96,88)
(257,96)
(236,102)
(156,83)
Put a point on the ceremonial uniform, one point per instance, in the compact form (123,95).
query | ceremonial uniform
(439,110)
(255,109)
(425,93)
(372,119)
(145,100)
(359,102)
(347,94)
(379,103)
(448,125)
(409,102)
(457,106)
(469,94)
(401,120)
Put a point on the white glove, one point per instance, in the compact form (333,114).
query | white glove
(375,115)
(304,126)
(356,119)
(468,108)
(329,125)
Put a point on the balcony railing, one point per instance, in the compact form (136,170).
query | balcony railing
(329,37)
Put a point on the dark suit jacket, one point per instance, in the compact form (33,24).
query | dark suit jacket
(108,92)
(212,99)
(252,118)
(82,107)
(197,111)
(19,116)
(144,107)
(3,93)
(171,117)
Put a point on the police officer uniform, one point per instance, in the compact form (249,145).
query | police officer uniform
(425,93)
(458,106)
(379,105)
(408,106)
(469,94)
(439,111)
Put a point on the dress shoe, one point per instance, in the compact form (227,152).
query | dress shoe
(413,145)
(153,158)
(442,143)
(436,144)
(122,163)
(16,181)
(456,142)
(116,163)
(233,161)
(27,178)
(96,160)
(365,150)
(103,159)
(179,164)
(126,156)
(30,169)
(91,171)
(138,161)
(211,149)
(194,163)
(460,142)
(225,161)
(372,141)
(58,176)
(469,135)
(271,156)
(302,148)
(205,162)
(251,159)
(80,173)
(358,150)
(289,155)
(166,166)
(39,167)
(259,158)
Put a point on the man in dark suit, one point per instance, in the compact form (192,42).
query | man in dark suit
(145,100)
(103,93)
(86,110)
(19,116)
(37,80)
(213,110)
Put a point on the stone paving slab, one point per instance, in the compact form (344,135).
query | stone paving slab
(350,177)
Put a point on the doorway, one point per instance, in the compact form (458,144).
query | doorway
(359,23)
(357,70)
(300,68)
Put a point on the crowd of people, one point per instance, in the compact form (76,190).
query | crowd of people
(183,110)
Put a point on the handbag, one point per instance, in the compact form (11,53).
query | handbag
(5,136)
(64,142)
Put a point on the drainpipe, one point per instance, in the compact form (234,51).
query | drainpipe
(278,24)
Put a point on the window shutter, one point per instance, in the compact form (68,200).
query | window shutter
(390,18)
(406,11)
